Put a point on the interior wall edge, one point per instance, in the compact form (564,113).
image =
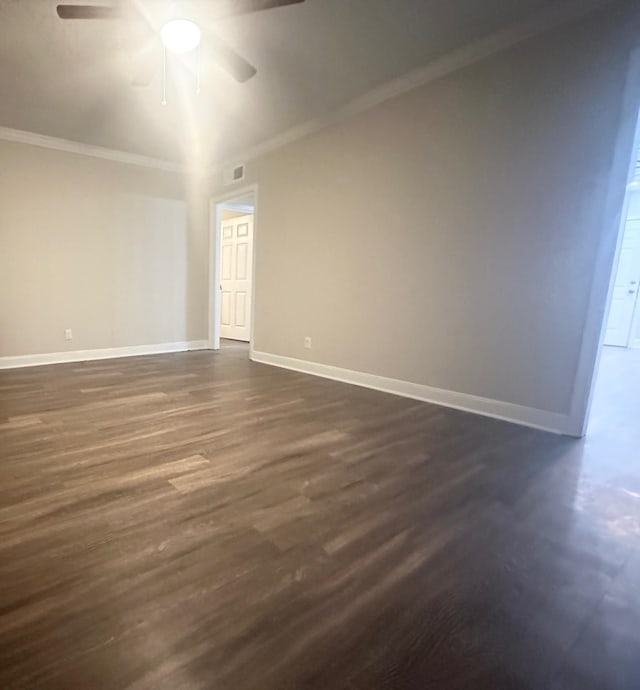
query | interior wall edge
(613,222)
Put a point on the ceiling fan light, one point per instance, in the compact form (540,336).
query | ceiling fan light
(180,35)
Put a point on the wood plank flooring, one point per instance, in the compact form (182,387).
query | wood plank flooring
(197,521)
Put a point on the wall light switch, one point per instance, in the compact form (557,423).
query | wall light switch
(307,342)
(68,335)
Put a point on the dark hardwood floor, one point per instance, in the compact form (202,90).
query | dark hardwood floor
(196,520)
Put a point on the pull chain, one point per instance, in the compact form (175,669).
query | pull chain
(198,73)
(164,75)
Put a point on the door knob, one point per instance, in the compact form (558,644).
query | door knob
(633,282)
(632,292)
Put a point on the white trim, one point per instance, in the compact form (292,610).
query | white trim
(613,225)
(215,219)
(518,414)
(102,353)
(241,208)
(476,51)
(57,144)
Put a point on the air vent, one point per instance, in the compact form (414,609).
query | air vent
(233,174)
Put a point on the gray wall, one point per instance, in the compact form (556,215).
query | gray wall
(108,250)
(448,237)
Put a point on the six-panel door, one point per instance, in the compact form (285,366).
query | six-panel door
(236,256)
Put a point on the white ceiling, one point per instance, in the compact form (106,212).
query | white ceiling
(71,79)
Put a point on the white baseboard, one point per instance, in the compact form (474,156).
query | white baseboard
(102,353)
(518,414)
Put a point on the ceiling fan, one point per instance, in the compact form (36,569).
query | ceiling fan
(180,33)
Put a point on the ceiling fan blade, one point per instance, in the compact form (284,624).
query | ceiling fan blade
(230,61)
(233,8)
(90,12)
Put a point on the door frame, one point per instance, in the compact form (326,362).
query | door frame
(632,341)
(621,174)
(215,241)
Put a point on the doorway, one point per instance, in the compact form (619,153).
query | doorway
(616,394)
(618,209)
(613,412)
(231,298)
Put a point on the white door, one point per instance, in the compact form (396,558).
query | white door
(236,257)
(625,291)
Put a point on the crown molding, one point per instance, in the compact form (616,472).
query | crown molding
(458,59)
(57,144)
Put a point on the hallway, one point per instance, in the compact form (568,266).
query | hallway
(612,444)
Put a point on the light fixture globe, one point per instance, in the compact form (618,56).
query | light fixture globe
(180,35)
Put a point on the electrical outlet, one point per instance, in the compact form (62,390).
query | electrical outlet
(68,334)
(307,342)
